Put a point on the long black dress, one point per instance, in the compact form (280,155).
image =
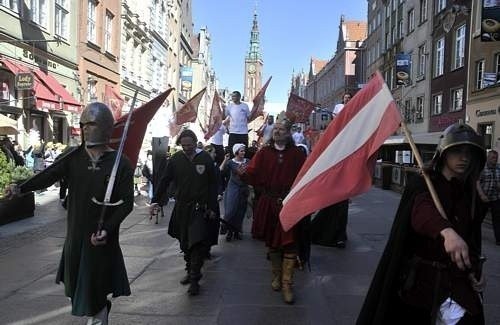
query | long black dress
(90,273)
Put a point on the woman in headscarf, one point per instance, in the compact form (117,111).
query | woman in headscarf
(235,200)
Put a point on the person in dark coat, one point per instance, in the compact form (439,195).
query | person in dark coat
(92,265)
(193,172)
(430,270)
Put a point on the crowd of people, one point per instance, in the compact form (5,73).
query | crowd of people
(430,269)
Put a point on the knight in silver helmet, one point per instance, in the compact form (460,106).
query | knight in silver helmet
(96,123)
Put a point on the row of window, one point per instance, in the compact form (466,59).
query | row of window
(415,114)
(37,12)
(458,52)
(92,23)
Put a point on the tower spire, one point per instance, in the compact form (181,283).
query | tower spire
(254,52)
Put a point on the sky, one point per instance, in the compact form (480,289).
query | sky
(291,32)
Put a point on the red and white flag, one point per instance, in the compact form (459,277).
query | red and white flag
(342,162)
(114,101)
(137,128)
(298,109)
(215,120)
(258,102)
(189,111)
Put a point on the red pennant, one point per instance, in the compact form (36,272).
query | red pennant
(189,111)
(137,128)
(258,102)
(215,117)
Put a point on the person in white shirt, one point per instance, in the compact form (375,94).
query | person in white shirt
(217,141)
(237,113)
(339,107)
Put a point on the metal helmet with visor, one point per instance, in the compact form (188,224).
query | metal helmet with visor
(99,114)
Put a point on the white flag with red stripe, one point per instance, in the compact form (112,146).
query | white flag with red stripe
(342,162)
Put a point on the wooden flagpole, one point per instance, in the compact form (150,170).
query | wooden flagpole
(420,163)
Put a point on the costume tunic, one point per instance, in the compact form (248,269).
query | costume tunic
(196,183)
(272,172)
(90,273)
(329,225)
(415,274)
(235,201)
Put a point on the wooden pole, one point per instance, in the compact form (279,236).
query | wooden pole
(420,163)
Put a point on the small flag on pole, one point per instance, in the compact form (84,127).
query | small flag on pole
(215,120)
(114,101)
(189,111)
(258,102)
(342,162)
(298,109)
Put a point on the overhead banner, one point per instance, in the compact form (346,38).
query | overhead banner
(403,68)
(490,21)
(186,78)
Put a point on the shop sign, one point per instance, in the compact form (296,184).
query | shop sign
(480,113)
(39,60)
(24,81)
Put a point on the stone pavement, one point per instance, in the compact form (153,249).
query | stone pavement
(236,283)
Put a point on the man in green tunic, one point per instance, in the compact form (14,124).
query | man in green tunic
(92,264)
(193,173)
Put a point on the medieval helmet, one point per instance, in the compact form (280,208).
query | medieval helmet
(459,134)
(101,115)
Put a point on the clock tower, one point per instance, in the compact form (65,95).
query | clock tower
(253,64)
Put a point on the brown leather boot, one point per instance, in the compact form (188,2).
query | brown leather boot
(276,258)
(287,277)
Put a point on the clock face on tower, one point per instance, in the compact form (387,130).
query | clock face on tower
(251,68)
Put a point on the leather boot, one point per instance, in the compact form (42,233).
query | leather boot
(287,277)
(276,258)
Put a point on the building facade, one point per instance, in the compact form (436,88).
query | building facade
(450,47)
(38,39)
(135,53)
(483,84)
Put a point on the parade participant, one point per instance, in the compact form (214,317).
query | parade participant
(298,136)
(273,170)
(430,271)
(217,141)
(235,199)
(237,113)
(192,171)
(215,223)
(339,107)
(489,191)
(92,264)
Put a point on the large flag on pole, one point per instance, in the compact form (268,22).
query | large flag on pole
(138,125)
(342,162)
(298,109)
(258,102)
(215,120)
(189,111)
(114,101)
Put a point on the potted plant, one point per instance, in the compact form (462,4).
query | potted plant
(19,207)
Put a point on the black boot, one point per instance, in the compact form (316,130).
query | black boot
(185,280)
(229,236)
(194,288)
